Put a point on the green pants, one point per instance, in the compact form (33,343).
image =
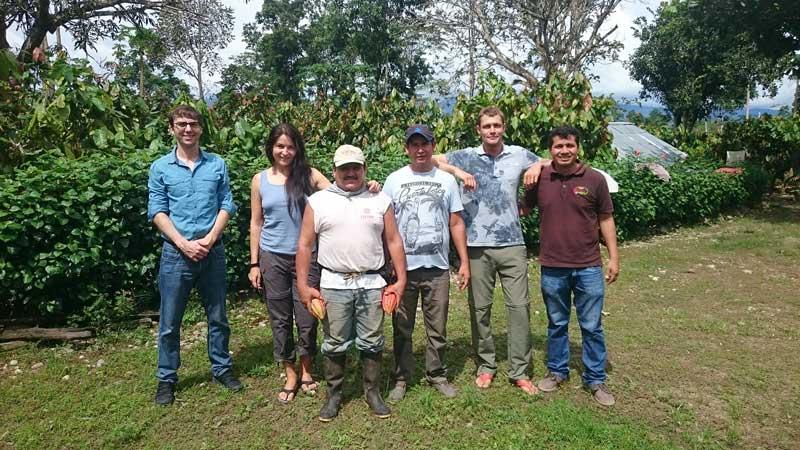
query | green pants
(511,264)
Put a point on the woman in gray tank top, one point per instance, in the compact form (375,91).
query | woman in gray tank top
(277,201)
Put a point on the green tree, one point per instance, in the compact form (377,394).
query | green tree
(141,65)
(693,70)
(193,33)
(87,21)
(300,48)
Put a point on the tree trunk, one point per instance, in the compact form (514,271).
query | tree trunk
(141,75)
(3,28)
(200,81)
(796,104)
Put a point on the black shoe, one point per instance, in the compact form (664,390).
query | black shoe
(165,393)
(229,381)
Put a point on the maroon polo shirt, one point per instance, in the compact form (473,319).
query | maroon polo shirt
(569,206)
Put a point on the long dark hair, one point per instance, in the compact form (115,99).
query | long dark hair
(298,183)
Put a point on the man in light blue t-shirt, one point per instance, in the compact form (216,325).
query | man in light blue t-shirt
(496,247)
(427,208)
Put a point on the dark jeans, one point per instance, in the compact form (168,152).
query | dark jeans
(279,280)
(177,275)
(434,287)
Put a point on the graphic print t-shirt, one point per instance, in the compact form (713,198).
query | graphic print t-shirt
(422,204)
(491,213)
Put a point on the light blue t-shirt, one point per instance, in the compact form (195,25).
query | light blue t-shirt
(280,232)
(422,204)
(491,213)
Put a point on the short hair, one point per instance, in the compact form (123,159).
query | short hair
(185,111)
(491,111)
(564,132)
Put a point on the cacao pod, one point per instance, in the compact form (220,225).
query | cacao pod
(317,308)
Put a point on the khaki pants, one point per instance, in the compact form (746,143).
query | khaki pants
(511,264)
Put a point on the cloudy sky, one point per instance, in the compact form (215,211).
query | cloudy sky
(613,78)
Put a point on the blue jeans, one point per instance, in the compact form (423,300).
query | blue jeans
(353,316)
(587,287)
(177,276)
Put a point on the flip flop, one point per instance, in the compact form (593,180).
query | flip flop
(484,380)
(305,385)
(290,395)
(526,386)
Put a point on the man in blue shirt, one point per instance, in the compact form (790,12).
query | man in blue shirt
(190,201)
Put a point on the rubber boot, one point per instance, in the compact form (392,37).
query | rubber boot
(371,369)
(334,375)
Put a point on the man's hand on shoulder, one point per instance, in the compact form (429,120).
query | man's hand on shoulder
(531,176)
(466,178)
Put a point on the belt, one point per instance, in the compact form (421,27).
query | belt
(351,275)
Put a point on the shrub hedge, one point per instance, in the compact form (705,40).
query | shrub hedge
(76,241)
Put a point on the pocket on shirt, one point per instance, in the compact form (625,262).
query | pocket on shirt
(208,184)
(177,187)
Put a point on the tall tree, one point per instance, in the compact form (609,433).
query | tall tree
(532,39)
(141,65)
(192,35)
(334,47)
(87,21)
(693,70)
(772,26)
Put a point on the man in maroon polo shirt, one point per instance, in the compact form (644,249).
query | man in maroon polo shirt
(573,202)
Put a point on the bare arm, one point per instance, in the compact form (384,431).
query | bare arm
(256,223)
(531,176)
(305,246)
(318,180)
(213,236)
(609,232)
(394,242)
(458,232)
(440,161)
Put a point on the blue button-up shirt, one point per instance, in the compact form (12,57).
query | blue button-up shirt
(191,198)
(490,211)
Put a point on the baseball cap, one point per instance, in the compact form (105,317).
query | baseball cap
(420,129)
(348,154)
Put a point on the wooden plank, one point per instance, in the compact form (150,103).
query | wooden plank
(58,334)
(7,346)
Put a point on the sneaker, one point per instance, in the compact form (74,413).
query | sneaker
(446,389)
(550,382)
(165,393)
(397,393)
(228,380)
(601,394)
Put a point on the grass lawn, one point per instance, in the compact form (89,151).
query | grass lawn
(702,328)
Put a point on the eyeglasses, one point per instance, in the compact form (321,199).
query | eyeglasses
(182,125)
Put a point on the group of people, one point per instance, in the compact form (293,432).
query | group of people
(349,243)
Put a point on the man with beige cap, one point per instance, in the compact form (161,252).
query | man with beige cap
(350,225)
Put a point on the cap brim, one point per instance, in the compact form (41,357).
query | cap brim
(348,161)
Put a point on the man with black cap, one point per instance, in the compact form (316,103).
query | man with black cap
(350,225)
(427,208)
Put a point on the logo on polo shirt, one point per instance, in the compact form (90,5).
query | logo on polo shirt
(580,190)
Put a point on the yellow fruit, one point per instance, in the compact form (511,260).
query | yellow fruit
(317,308)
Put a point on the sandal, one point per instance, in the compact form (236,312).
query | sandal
(526,386)
(484,380)
(306,386)
(289,395)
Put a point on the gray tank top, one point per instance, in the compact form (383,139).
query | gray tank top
(280,233)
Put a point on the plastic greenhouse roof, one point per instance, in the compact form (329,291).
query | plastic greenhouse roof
(630,140)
